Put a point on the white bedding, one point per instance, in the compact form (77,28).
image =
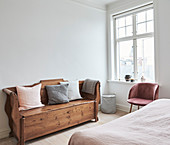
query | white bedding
(148,126)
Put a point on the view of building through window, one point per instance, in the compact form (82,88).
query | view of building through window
(134,43)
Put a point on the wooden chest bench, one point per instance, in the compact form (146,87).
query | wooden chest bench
(29,124)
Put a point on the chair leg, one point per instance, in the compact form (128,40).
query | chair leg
(130,108)
(138,107)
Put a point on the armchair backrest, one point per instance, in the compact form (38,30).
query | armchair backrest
(148,91)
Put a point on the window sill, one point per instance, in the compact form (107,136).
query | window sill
(124,82)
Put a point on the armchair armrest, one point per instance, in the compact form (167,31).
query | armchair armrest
(95,97)
(7,91)
(13,100)
(97,92)
(13,114)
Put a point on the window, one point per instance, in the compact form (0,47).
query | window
(134,44)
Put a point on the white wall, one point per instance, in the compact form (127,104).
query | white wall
(162,12)
(162,43)
(46,39)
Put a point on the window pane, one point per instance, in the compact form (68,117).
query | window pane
(121,32)
(129,20)
(126,58)
(129,31)
(141,17)
(150,26)
(124,26)
(121,22)
(145,58)
(141,28)
(150,15)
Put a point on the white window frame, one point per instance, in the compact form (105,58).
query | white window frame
(134,38)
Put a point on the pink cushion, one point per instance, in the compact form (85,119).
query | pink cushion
(29,97)
(138,101)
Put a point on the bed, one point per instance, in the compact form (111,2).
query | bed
(148,126)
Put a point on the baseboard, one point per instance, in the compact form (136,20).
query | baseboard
(4,133)
(125,108)
(122,107)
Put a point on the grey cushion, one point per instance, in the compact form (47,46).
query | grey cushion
(57,94)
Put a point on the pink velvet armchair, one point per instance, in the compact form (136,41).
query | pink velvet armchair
(142,94)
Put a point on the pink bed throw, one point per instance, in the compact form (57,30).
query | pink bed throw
(147,126)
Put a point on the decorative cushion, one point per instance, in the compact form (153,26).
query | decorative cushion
(73,90)
(57,94)
(29,97)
